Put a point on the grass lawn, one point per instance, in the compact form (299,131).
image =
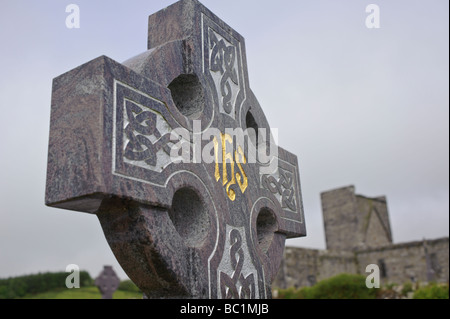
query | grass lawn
(83,293)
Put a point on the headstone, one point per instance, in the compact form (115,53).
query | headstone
(107,282)
(173,153)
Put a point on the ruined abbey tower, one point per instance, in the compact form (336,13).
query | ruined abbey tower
(353,221)
(358,233)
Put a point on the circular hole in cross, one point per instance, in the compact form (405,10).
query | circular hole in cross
(266,225)
(189,216)
(188,96)
(252,128)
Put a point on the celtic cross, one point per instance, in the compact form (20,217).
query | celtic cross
(173,153)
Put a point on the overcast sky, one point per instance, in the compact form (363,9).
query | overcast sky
(358,106)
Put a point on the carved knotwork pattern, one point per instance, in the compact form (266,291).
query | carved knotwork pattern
(237,286)
(284,187)
(223,60)
(141,126)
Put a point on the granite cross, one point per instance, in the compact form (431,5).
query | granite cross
(107,282)
(173,153)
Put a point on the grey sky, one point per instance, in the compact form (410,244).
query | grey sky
(367,107)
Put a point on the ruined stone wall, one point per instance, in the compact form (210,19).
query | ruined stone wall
(358,233)
(398,263)
(438,251)
(304,267)
(419,261)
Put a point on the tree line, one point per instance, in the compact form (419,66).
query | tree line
(17,287)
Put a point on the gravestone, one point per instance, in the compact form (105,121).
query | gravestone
(107,282)
(173,153)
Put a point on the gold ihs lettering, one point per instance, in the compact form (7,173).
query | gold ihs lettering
(239,159)
(242,177)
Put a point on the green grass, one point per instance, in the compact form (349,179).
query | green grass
(351,286)
(82,293)
(432,291)
(343,286)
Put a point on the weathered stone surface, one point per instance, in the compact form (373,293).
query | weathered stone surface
(211,226)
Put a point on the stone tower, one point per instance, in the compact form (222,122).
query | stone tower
(353,221)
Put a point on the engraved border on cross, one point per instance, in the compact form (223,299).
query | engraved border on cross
(217,78)
(121,166)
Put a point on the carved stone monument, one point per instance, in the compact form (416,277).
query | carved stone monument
(107,282)
(172,151)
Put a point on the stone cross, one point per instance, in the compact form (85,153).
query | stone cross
(107,282)
(173,153)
